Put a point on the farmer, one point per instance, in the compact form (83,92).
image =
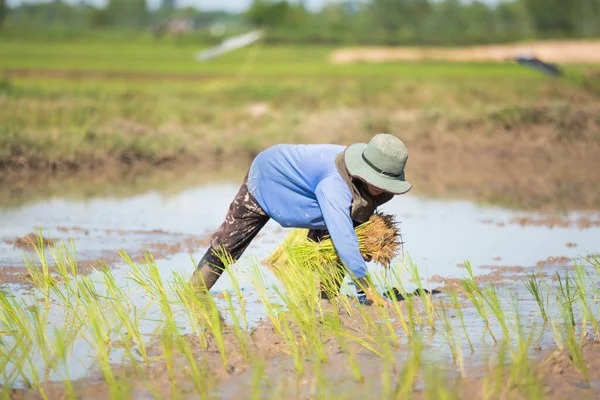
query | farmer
(328,189)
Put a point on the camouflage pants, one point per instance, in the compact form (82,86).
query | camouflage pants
(243,222)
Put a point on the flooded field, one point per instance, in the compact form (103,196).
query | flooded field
(119,322)
(439,234)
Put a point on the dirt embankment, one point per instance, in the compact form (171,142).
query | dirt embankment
(538,157)
(563,52)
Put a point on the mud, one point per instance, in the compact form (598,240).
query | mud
(30,241)
(165,245)
(559,377)
(555,222)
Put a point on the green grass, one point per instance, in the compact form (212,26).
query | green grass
(90,120)
(259,60)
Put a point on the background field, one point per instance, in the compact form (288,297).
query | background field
(119,106)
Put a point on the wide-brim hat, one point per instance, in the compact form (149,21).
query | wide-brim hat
(380,163)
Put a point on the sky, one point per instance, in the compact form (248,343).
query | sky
(209,5)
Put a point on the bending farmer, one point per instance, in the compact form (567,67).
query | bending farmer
(324,188)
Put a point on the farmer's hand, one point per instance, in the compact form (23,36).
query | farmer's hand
(367,257)
(376,299)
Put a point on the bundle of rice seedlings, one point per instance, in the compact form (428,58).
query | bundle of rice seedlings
(379,240)
(280,255)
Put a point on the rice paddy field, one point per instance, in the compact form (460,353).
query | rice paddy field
(119,158)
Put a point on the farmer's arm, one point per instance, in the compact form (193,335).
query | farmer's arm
(335,206)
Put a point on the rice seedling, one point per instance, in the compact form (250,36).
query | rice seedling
(574,346)
(258,374)
(228,262)
(211,318)
(533,286)
(64,288)
(13,317)
(474,294)
(40,276)
(187,297)
(396,281)
(43,344)
(168,347)
(126,314)
(582,278)
(453,341)
(296,349)
(426,296)
(491,298)
(198,376)
(257,280)
(458,308)
(494,378)
(567,296)
(147,276)
(411,369)
(238,331)
(521,372)
(344,340)
(99,340)
(594,261)
(388,367)
(300,298)
(62,352)
(436,385)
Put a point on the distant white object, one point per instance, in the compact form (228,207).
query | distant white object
(234,43)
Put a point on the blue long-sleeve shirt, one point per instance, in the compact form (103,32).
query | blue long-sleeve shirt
(299,186)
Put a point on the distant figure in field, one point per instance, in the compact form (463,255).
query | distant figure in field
(325,188)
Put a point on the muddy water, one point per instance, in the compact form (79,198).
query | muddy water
(440,235)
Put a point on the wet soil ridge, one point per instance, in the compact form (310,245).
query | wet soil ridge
(98,251)
(146,337)
(31,241)
(530,129)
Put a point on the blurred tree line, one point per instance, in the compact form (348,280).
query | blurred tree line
(388,22)
(441,22)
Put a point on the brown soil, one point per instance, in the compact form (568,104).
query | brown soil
(30,241)
(560,379)
(554,222)
(553,261)
(576,52)
(500,273)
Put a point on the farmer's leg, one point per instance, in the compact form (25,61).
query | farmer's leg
(333,274)
(244,220)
